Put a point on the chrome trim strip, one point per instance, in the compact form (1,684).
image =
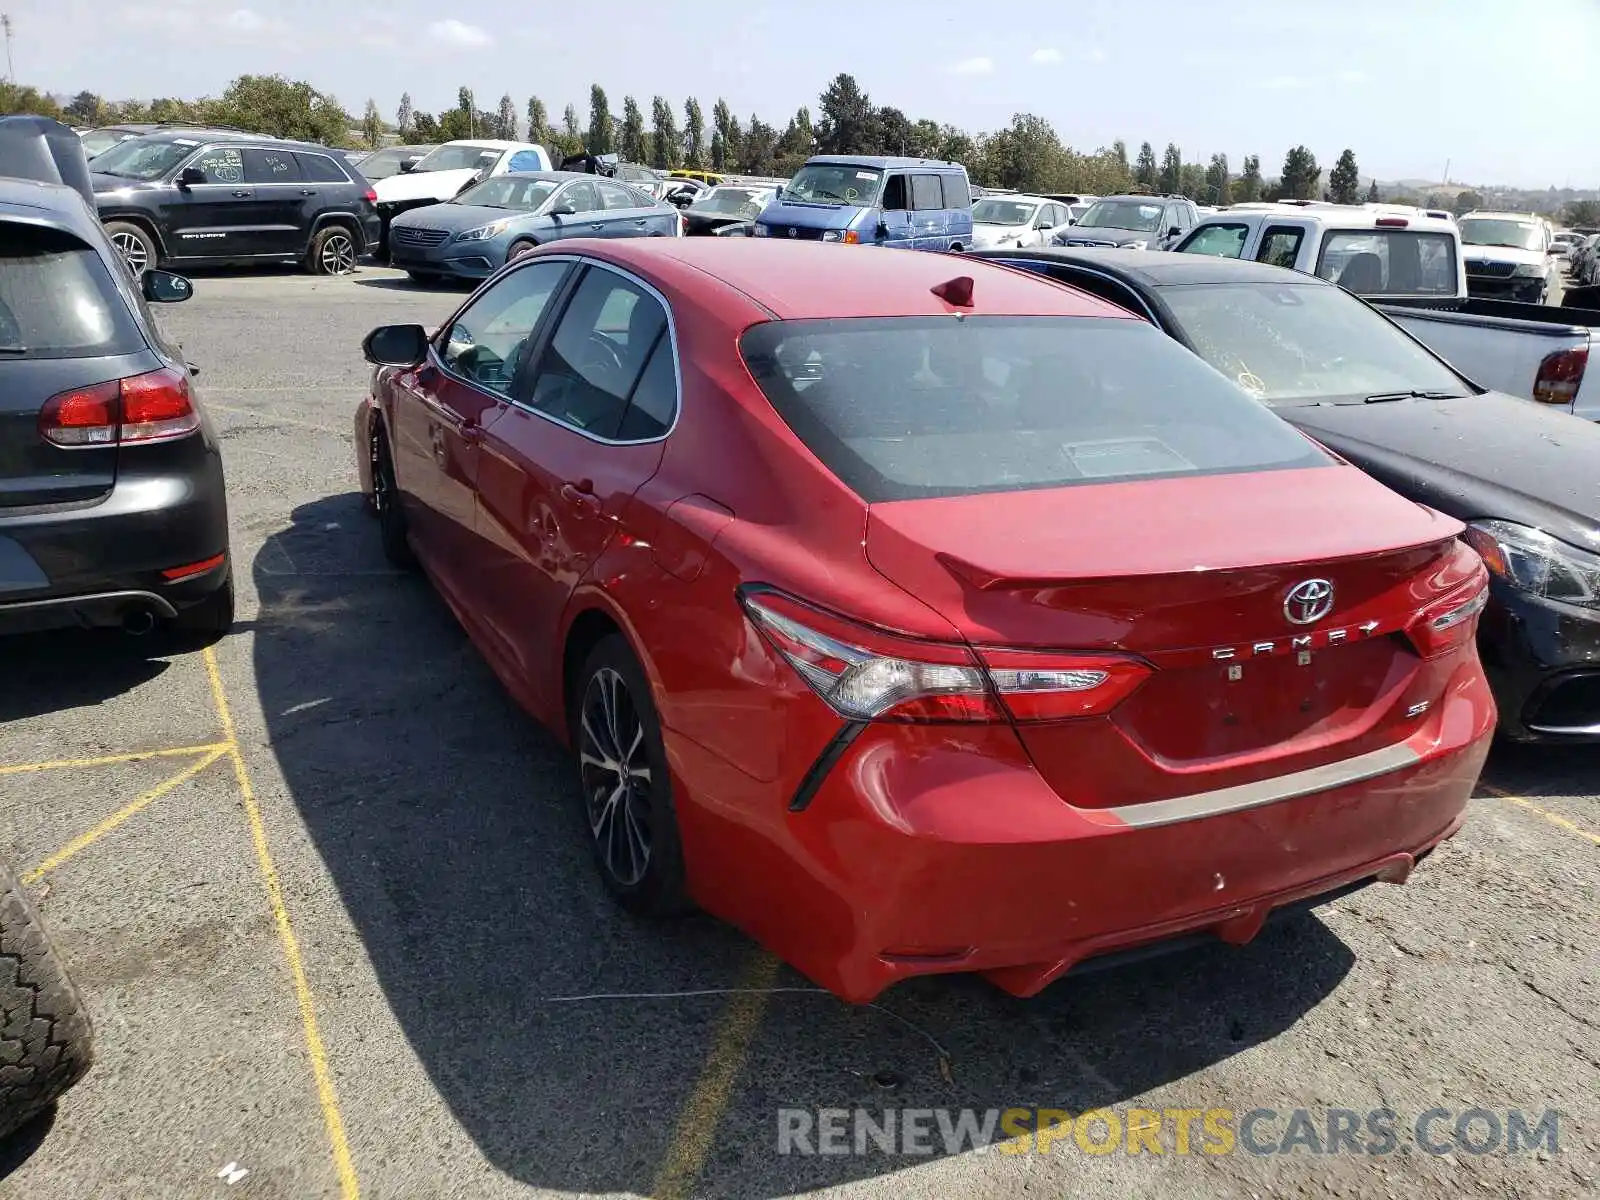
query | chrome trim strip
(161,604)
(1566,730)
(1268,791)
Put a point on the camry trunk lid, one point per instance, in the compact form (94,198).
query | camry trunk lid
(1270,605)
(63,326)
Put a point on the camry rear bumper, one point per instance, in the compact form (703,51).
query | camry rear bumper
(924,853)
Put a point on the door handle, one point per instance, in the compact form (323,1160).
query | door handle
(640,221)
(581,494)
(308,191)
(242,193)
(471,433)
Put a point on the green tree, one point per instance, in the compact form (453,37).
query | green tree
(84,108)
(1170,180)
(1344,181)
(798,142)
(1103,173)
(1466,201)
(1026,155)
(425,128)
(758,151)
(926,138)
(15,100)
(602,135)
(1248,186)
(665,142)
(272,104)
(506,117)
(372,125)
(468,109)
(1373,195)
(848,124)
(1217,191)
(1144,170)
(1119,151)
(405,117)
(723,143)
(1581,212)
(694,134)
(958,146)
(539,130)
(895,132)
(1300,175)
(630,140)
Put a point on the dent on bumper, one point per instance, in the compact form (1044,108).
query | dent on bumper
(930,852)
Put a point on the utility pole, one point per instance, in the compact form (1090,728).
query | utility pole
(5,23)
(1446,179)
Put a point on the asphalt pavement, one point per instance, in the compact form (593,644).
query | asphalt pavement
(342,938)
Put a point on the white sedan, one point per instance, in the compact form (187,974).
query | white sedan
(1016,220)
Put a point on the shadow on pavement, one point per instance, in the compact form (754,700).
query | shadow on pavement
(447,821)
(74,668)
(21,1145)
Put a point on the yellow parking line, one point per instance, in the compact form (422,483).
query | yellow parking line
(327,1097)
(1553,818)
(123,814)
(108,759)
(697,1123)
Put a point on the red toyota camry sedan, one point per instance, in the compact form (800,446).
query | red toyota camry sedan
(917,615)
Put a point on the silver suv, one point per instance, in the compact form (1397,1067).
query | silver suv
(1133,223)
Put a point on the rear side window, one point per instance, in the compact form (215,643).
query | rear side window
(319,168)
(956,192)
(270,166)
(1280,246)
(926,194)
(912,408)
(1390,261)
(58,300)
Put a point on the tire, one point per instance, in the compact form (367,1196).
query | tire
(956,247)
(518,249)
(333,251)
(386,502)
(640,820)
(46,1043)
(209,621)
(137,247)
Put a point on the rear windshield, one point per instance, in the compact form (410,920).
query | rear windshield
(908,408)
(1390,262)
(57,299)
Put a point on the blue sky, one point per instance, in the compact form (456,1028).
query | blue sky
(1508,92)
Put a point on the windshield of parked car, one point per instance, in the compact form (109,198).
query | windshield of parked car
(1304,343)
(141,158)
(98,141)
(1003,212)
(905,408)
(732,201)
(1495,231)
(1121,214)
(508,191)
(834,183)
(457,158)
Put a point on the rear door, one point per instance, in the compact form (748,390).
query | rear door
(931,226)
(64,329)
(283,202)
(582,435)
(624,215)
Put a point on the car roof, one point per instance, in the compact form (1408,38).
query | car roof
(1335,216)
(881,162)
(490,144)
(801,280)
(1026,197)
(1157,269)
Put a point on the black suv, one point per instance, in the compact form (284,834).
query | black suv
(187,198)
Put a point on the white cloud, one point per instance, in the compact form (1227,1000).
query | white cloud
(1045,56)
(461,36)
(244,20)
(974,66)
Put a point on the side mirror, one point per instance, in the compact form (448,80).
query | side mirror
(407,165)
(396,345)
(1553,250)
(190,176)
(882,230)
(564,209)
(163,287)
(1174,232)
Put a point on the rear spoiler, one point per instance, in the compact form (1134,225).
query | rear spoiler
(45,151)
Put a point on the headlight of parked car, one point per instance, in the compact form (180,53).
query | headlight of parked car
(1530,271)
(1535,562)
(483,232)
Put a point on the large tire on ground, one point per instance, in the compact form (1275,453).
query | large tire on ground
(625,785)
(137,247)
(386,503)
(46,1043)
(210,620)
(519,248)
(333,251)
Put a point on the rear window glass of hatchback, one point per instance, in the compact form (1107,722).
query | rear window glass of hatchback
(57,299)
(903,408)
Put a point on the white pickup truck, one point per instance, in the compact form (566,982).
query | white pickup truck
(1408,262)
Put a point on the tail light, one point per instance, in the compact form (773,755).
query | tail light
(1452,623)
(371,196)
(866,674)
(1559,376)
(683,225)
(154,407)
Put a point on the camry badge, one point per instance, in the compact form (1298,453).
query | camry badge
(1308,602)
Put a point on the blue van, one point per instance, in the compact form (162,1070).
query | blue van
(912,203)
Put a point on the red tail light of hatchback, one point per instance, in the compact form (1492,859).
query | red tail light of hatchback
(153,407)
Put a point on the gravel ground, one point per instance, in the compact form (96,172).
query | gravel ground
(406,869)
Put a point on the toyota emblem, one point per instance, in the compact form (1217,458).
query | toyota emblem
(1308,602)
